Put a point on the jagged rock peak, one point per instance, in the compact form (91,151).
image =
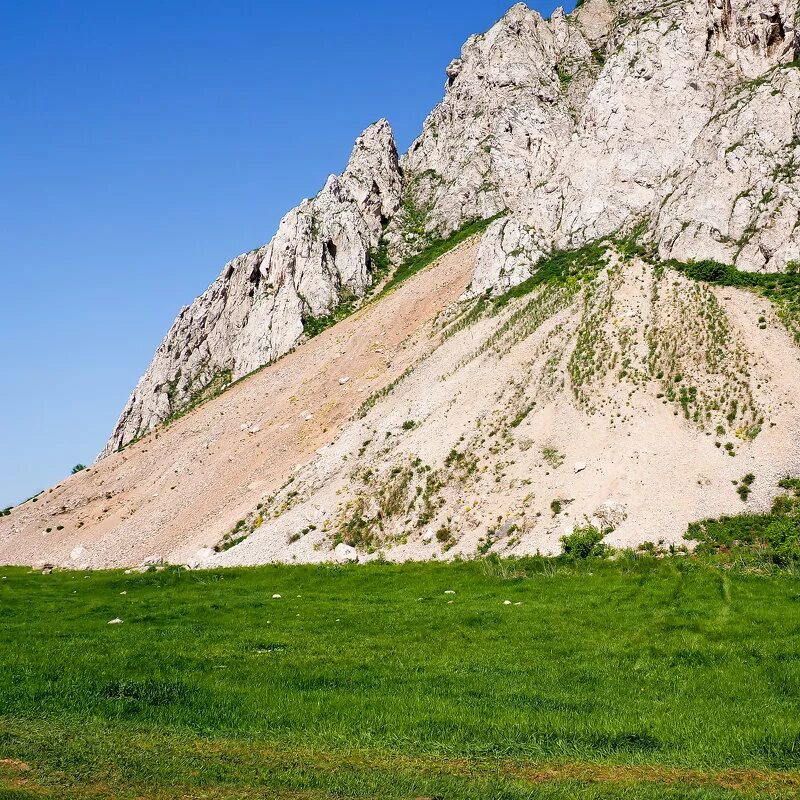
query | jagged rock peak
(512,98)
(254,312)
(372,173)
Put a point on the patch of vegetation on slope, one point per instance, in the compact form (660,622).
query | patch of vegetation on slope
(348,303)
(393,501)
(700,363)
(381,266)
(755,539)
(570,268)
(436,250)
(685,325)
(198,394)
(781,288)
(530,678)
(554,285)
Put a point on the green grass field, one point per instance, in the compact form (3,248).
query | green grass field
(644,678)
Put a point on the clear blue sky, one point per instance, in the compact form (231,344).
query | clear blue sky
(142,145)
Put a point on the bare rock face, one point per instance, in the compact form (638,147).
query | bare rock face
(254,312)
(508,254)
(689,130)
(736,197)
(500,128)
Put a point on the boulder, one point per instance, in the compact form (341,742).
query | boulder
(345,553)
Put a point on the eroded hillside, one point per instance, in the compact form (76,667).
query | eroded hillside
(609,393)
(182,487)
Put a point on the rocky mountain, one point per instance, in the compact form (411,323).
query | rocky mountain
(617,348)
(583,125)
(678,116)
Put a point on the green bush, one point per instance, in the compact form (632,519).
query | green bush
(78,468)
(586,542)
(783,536)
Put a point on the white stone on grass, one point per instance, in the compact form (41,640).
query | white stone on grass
(345,553)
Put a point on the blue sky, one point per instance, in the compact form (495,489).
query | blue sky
(144,144)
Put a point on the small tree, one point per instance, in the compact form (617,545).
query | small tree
(78,468)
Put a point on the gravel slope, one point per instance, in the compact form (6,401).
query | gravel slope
(181,488)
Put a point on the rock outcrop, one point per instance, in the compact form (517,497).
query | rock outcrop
(678,117)
(502,124)
(254,312)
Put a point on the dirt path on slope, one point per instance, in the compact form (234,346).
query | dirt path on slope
(183,487)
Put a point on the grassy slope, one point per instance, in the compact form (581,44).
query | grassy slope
(648,679)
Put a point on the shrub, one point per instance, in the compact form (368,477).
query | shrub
(586,542)
(553,457)
(743,489)
(443,534)
(78,468)
(783,536)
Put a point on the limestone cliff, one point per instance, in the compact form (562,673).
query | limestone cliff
(677,118)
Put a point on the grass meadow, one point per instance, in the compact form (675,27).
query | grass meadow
(640,678)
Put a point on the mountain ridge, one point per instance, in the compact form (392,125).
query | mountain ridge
(612,152)
(581,125)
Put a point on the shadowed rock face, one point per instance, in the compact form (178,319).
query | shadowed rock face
(679,117)
(253,313)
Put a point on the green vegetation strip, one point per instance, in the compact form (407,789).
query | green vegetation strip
(642,677)
(567,267)
(769,538)
(436,250)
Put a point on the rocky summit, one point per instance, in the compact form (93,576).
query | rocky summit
(574,301)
